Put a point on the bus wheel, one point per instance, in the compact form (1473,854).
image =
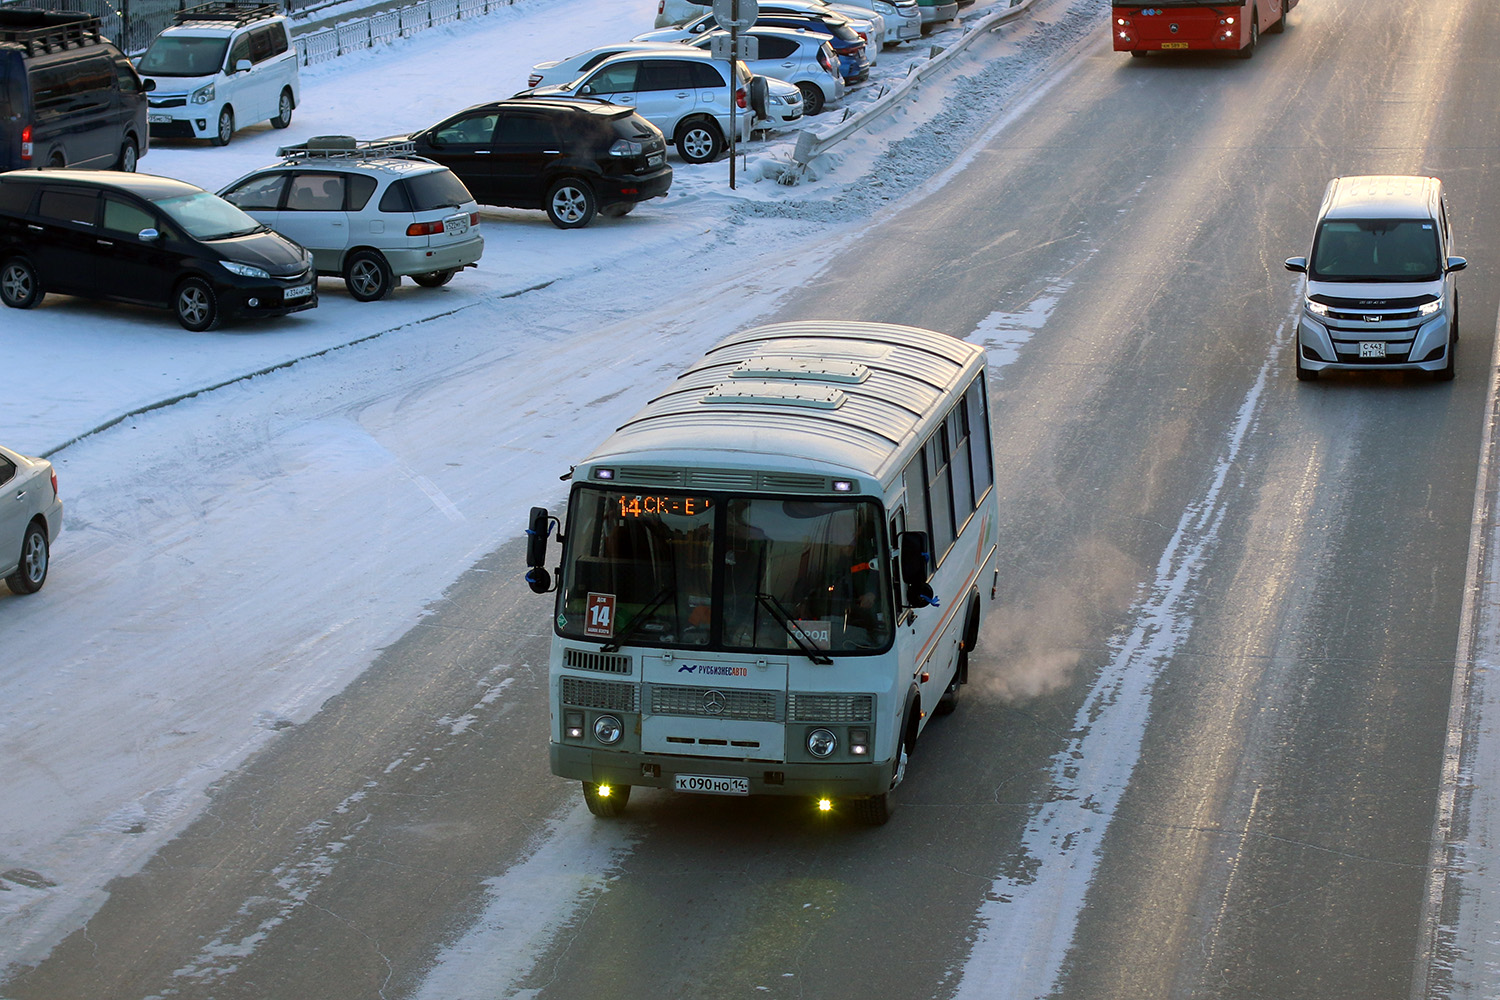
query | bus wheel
(1279,25)
(949,701)
(606,801)
(876,809)
(1138,53)
(1249,50)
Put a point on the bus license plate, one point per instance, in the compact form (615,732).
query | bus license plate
(1372,348)
(1174,45)
(709,784)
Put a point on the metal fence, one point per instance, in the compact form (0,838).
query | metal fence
(387,26)
(132,24)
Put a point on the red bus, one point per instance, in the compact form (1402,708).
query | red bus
(1193,26)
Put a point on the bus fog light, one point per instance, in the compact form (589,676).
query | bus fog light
(825,805)
(573,725)
(607,730)
(859,742)
(821,743)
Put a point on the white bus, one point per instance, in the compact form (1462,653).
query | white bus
(770,576)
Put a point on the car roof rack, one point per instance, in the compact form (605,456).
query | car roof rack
(346,147)
(48,30)
(236,12)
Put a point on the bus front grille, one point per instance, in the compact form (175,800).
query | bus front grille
(716,703)
(832,708)
(613,696)
(607,663)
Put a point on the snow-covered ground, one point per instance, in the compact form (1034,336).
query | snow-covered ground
(254,513)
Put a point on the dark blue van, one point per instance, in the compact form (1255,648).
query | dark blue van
(68,98)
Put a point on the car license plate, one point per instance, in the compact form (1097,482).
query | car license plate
(709,784)
(456,226)
(1174,45)
(297,292)
(158,119)
(1372,348)
(656,159)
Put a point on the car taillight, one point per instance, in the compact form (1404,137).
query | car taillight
(823,58)
(424,229)
(627,147)
(54,482)
(26,143)
(534,80)
(473,218)
(661,6)
(739,98)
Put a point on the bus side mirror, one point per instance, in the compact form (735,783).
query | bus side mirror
(914,560)
(537,529)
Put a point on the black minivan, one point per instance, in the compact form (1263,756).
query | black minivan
(152,240)
(68,98)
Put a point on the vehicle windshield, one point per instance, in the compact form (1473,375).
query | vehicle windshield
(727,572)
(1376,250)
(183,55)
(206,216)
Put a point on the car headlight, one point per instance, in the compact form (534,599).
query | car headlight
(203,95)
(607,730)
(821,743)
(1430,308)
(245,270)
(884,9)
(1317,308)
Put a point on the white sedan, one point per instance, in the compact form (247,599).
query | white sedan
(30,518)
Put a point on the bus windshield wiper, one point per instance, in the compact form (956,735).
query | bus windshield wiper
(641,617)
(784,619)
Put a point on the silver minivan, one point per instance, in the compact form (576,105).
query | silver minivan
(1380,289)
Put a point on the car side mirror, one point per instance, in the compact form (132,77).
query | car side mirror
(148,84)
(587,90)
(537,529)
(914,561)
(148,235)
(1298,264)
(242,66)
(1457,263)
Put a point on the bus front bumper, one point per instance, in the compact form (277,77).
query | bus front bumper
(835,780)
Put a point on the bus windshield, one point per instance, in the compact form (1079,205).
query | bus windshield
(725,572)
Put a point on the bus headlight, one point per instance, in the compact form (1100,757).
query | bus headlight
(607,730)
(821,742)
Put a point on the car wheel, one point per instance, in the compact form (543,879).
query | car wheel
(196,306)
(367,276)
(435,279)
(128,157)
(618,210)
(1303,374)
(19,286)
(226,127)
(283,109)
(56,161)
(571,204)
(605,806)
(699,141)
(31,573)
(812,98)
(1445,373)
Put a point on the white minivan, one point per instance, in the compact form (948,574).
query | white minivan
(221,66)
(1380,290)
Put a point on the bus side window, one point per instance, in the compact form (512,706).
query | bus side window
(898,525)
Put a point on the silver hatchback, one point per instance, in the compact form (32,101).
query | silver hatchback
(370,212)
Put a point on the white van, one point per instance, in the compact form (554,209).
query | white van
(223,65)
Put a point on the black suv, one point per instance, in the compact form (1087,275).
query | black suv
(570,157)
(67,96)
(139,238)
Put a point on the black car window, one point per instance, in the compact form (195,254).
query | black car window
(126,78)
(240,50)
(260,45)
(706,76)
(528,131)
(7,469)
(262,192)
(395,198)
(772,47)
(665,74)
(51,86)
(16,198)
(616,79)
(69,205)
(358,188)
(315,193)
(126,218)
(470,130)
(436,189)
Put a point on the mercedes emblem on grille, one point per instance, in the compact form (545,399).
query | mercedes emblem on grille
(713,702)
(1172,28)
